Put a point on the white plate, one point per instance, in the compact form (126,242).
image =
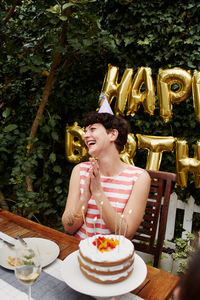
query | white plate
(73,276)
(49,251)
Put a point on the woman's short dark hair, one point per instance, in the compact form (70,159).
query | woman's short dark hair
(110,122)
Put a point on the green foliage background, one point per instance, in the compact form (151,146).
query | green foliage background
(157,34)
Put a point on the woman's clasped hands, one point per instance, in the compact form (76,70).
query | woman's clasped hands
(92,184)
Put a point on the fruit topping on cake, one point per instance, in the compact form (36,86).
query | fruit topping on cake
(105,244)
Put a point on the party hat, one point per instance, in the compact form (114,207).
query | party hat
(105,106)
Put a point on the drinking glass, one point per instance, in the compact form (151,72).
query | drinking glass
(27,266)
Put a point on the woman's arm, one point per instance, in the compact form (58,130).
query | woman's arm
(134,209)
(72,218)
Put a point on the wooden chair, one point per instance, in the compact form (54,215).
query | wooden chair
(146,239)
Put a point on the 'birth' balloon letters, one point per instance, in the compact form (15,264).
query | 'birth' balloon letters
(129,96)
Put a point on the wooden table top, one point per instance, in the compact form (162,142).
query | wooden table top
(158,284)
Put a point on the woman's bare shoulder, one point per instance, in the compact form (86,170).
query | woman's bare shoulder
(83,165)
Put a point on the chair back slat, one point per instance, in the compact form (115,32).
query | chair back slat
(143,238)
(151,214)
(145,231)
(155,216)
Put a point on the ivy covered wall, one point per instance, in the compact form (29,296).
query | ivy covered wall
(53,59)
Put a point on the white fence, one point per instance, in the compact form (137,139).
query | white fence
(189,208)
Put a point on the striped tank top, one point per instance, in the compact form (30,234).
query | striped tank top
(117,190)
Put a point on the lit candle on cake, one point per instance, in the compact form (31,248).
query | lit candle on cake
(126,224)
(101,215)
(83,214)
(95,219)
(120,227)
(120,223)
(116,218)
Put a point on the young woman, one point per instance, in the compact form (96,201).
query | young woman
(105,194)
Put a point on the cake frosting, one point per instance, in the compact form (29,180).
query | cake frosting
(106,259)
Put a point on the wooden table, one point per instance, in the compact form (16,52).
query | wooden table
(158,284)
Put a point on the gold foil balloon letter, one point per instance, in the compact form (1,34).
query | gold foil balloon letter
(196,94)
(166,80)
(112,88)
(76,150)
(129,150)
(155,145)
(136,97)
(184,164)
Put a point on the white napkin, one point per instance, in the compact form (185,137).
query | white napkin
(54,269)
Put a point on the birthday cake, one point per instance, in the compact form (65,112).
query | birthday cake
(106,258)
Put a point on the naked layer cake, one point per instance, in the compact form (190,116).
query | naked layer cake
(106,258)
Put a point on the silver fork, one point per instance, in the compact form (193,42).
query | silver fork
(24,243)
(21,239)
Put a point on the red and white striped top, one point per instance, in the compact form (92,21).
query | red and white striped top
(117,190)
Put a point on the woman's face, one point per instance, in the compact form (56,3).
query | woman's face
(96,138)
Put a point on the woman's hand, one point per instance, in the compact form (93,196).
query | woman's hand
(95,183)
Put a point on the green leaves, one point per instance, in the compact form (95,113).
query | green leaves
(146,41)
(52,157)
(10,128)
(67,5)
(6,112)
(94,33)
(57,169)
(183,250)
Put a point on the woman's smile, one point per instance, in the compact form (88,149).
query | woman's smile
(95,135)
